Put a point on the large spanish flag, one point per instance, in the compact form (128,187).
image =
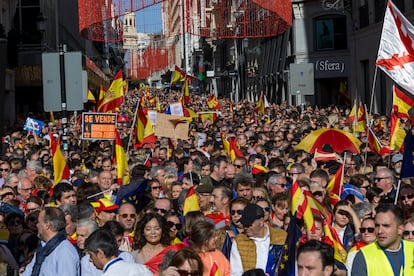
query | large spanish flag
(402,103)
(121,160)
(114,96)
(60,167)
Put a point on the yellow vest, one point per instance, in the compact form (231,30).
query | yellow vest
(247,247)
(378,264)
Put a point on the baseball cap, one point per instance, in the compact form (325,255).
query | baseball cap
(204,188)
(250,213)
(397,158)
(104,204)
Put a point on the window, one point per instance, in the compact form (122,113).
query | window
(330,32)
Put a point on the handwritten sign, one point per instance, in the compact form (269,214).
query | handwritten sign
(98,126)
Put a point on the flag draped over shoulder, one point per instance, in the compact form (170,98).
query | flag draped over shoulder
(191,201)
(144,129)
(121,159)
(60,167)
(396,54)
(114,96)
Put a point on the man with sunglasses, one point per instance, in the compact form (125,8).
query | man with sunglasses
(384,179)
(276,184)
(389,255)
(127,217)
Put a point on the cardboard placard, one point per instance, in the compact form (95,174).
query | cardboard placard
(165,127)
(98,126)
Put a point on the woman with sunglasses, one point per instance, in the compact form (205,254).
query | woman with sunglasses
(406,200)
(408,233)
(265,205)
(368,235)
(236,211)
(174,226)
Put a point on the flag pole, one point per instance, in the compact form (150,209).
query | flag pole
(132,126)
(373,89)
(398,191)
(342,176)
(366,141)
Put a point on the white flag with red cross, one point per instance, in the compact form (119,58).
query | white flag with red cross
(396,53)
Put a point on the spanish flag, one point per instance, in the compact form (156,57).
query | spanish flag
(121,159)
(214,271)
(114,96)
(397,134)
(259,169)
(357,118)
(144,129)
(191,201)
(60,167)
(178,75)
(213,103)
(402,103)
(335,187)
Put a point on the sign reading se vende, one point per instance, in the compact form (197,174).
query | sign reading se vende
(98,126)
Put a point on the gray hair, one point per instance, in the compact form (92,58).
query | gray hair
(244,178)
(92,224)
(35,165)
(154,171)
(9,178)
(362,208)
(272,180)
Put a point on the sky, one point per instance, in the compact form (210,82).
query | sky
(148,20)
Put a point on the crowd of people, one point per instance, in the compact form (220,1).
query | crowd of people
(90,225)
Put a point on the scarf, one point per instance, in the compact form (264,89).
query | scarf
(43,251)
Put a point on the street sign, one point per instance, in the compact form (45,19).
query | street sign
(52,100)
(302,79)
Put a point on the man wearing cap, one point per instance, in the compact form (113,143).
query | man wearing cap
(259,246)
(204,195)
(105,210)
(396,163)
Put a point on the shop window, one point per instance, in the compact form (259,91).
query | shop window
(330,33)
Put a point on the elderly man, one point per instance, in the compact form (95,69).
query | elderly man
(384,179)
(276,184)
(24,189)
(260,246)
(55,254)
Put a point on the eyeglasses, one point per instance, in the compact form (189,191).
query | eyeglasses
(4,170)
(239,212)
(380,178)
(27,189)
(366,229)
(177,225)
(408,196)
(292,173)
(277,141)
(406,233)
(156,188)
(257,197)
(124,216)
(160,210)
(187,273)
(266,209)
(238,166)
(317,193)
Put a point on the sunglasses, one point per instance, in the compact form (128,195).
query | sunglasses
(365,187)
(239,212)
(292,174)
(156,188)
(178,226)
(160,210)
(281,185)
(367,229)
(257,197)
(266,209)
(4,170)
(187,273)
(238,166)
(409,196)
(317,193)
(124,216)
(380,178)
(32,209)
(343,213)
(406,233)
